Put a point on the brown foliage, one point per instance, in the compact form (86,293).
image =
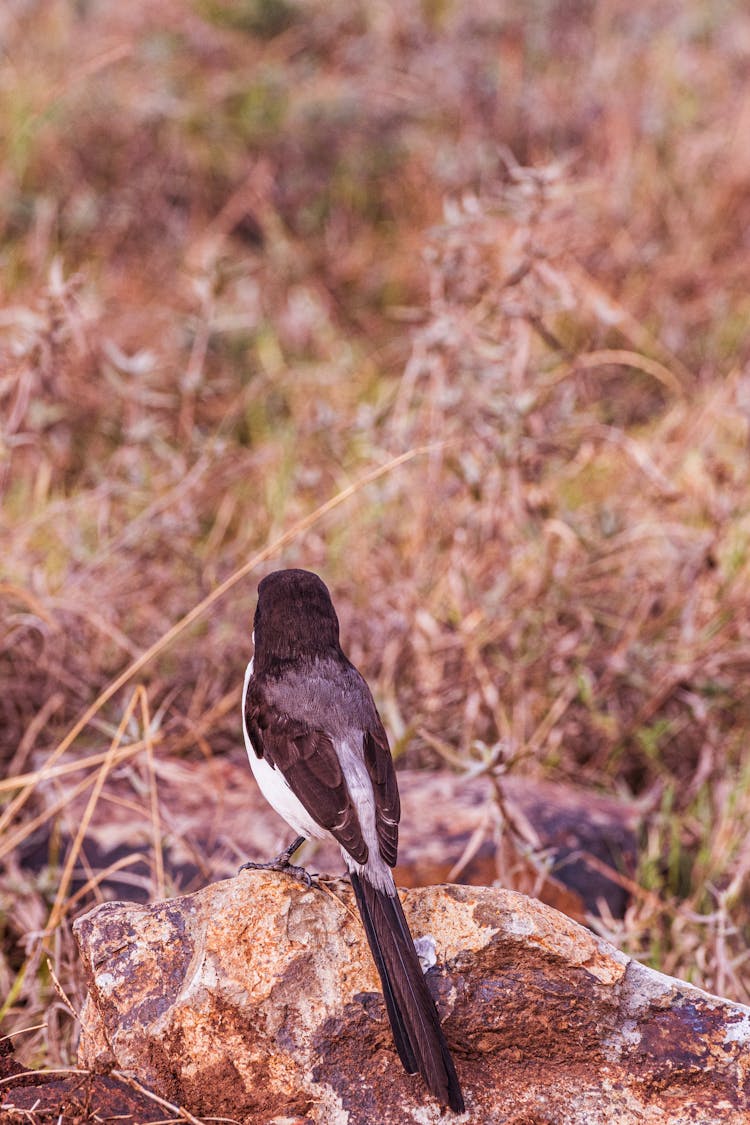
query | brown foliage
(251,251)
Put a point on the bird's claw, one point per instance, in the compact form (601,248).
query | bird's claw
(283,863)
(299,873)
(302,874)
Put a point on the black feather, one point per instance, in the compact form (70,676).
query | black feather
(411,1010)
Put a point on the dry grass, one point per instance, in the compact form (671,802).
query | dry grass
(251,251)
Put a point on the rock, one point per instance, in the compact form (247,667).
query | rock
(256,999)
(31,1100)
(566,847)
(33,1096)
(563,845)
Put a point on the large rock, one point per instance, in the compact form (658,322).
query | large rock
(256,999)
(571,848)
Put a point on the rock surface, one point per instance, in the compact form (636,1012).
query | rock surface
(558,843)
(36,1097)
(256,999)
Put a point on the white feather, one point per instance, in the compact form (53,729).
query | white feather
(273,786)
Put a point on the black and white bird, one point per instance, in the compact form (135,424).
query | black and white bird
(320,755)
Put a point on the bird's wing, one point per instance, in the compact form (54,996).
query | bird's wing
(387,805)
(307,759)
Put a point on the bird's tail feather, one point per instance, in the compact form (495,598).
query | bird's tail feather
(411,1010)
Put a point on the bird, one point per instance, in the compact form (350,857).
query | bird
(321,758)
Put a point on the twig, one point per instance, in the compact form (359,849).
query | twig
(178,1110)
(67,1070)
(61,991)
(153,798)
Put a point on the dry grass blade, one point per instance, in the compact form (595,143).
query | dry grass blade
(53,1070)
(61,991)
(10,589)
(621,358)
(102,876)
(487,823)
(295,532)
(555,713)
(59,906)
(670,367)
(48,773)
(27,828)
(24,1030)
(33,730)
(156,835)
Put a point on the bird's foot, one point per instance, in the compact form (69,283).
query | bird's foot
(282,862)
(299,873)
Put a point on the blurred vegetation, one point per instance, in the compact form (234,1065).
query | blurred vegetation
(251,250)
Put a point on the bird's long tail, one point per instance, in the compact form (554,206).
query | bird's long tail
(411,1010)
